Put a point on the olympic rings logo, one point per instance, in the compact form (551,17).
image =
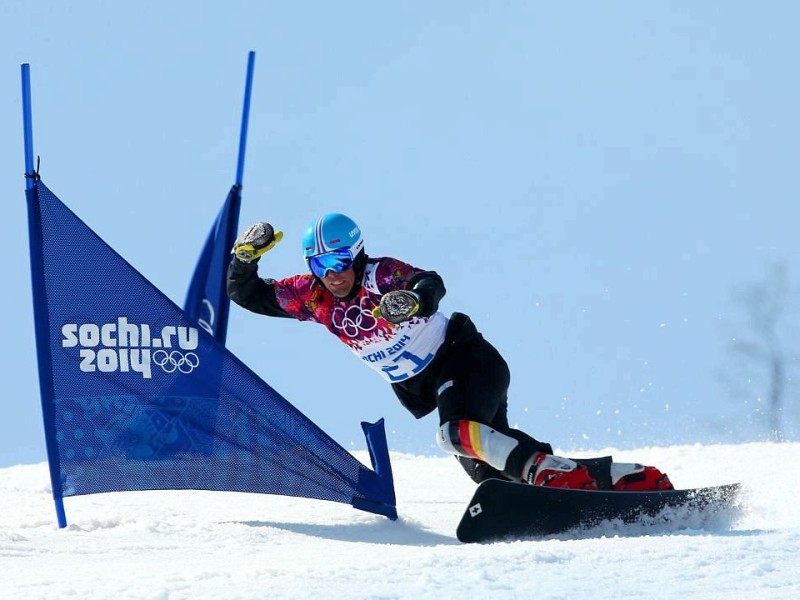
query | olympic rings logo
(176,361)
(354,319)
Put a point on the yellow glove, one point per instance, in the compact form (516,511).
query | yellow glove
(254,241)
(397,306)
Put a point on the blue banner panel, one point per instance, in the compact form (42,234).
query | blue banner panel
(136,396)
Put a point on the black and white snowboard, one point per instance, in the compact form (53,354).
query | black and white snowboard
(503,509)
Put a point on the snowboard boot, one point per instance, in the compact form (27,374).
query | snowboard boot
(555,471)
(631,477)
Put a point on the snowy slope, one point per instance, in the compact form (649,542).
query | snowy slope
(171,545)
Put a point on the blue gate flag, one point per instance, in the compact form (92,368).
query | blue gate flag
(207,303)
(135,396)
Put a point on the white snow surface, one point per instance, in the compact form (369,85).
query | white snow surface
(188,544)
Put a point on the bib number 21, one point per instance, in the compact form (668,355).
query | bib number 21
(406,365)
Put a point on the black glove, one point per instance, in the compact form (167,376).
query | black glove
(254,241)
(397,306)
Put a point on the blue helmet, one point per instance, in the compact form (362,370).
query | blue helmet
(331,232)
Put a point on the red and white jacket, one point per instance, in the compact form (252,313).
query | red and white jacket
(397,352)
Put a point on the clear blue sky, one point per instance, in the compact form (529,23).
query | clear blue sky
(591,181)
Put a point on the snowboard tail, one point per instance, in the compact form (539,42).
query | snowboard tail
(503,509)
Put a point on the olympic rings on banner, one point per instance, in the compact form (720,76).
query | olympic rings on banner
(176,361)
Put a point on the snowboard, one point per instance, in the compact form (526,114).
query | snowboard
(504,509)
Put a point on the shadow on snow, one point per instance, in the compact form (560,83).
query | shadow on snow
(402,532)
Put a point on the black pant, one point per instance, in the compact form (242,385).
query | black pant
(468,379)
(477,380)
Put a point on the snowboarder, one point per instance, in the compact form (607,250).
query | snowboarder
(387,312)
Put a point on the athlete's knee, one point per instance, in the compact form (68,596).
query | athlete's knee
(476,440)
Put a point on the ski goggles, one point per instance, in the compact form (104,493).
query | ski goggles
(336,260)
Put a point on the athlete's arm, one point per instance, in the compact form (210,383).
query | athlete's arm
(249,291)
(429,286)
